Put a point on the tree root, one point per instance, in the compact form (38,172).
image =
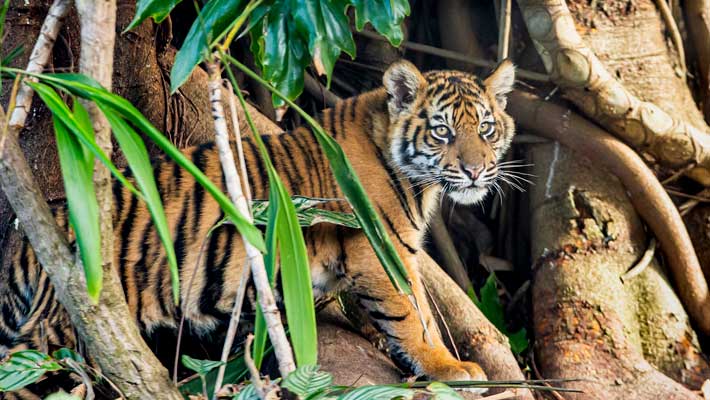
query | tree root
(588,84)
(644,190)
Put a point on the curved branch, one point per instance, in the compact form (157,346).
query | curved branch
(646,193)
(588,84)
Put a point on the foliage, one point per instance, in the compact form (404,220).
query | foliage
(26,367)
(201,367)
(307,212)
(490,306)
(156,9)
(309,383)
(287,35)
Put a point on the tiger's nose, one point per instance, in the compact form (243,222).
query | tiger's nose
(473,171)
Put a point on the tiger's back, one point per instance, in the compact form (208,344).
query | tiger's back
(392,137)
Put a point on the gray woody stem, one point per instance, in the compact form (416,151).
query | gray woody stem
(38,60)
(277,334)
(588,84)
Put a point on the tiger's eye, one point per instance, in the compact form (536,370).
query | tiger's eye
(442,131)
(486,129)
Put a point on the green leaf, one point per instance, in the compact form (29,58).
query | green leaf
(65,353)
(77,171)
(260,333)
(76,125)
(307,213)
(378,393)
(284,55)
(214,18)
(201,367)
(327,28)
(295,271)
(490,306)
(24,368)
(307,380)
(83,87)
(443,392)
(156,9)
(386,17)
(138,160)
(352,188)
(519,341)
(234,372)
(14,53)
(247,393)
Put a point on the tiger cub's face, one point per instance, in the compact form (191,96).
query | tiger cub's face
(449,127)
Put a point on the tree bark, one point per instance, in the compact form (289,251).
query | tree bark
(658,326)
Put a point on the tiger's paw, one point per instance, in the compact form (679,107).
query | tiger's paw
(460,371)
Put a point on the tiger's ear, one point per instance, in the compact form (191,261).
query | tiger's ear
(500,82)
(402,81)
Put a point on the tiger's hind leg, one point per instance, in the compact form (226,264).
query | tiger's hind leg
(412,335)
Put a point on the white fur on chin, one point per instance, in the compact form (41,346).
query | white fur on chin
(468,196)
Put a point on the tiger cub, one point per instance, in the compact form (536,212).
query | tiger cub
(416,139)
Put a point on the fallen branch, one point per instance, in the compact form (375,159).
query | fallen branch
(646,193)
(586,82)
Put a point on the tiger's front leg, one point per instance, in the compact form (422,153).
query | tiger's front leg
(394,315)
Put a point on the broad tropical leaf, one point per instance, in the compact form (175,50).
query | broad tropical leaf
(156,9)
(201,367)
(378,393)
(24,368)
(307,380)
(214,19)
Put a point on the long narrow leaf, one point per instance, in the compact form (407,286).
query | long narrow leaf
(138,160)
(295,271)
(82,87)
(78,128)
(77,171)
(352,188)
(260,334)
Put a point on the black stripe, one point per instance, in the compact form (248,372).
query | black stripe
(198,192)
(396,233)
(260,168)
(307,158)
(367,297)
(140,271)
(384,317)
(126,229)
(353,107)
(341,116)
(214,272)
(288,161)
(395,184)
